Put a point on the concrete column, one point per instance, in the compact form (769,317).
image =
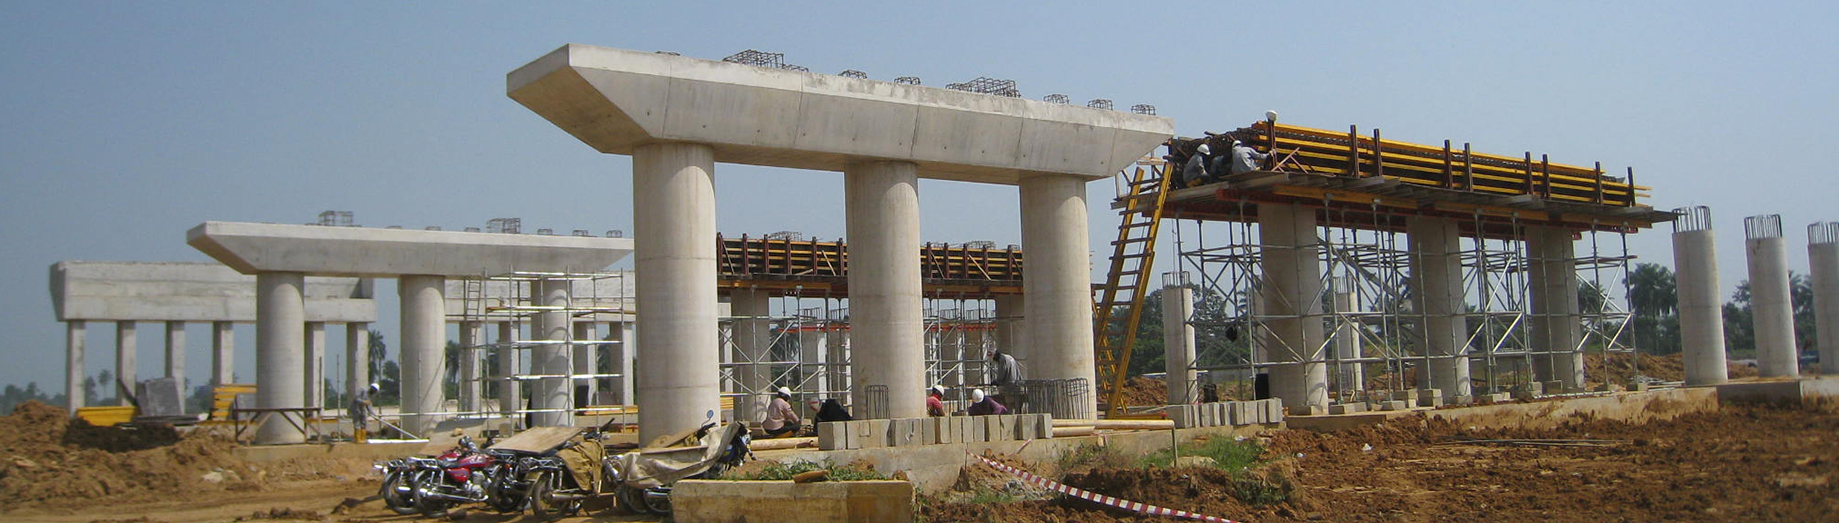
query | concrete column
(423,352)
(839,367)
(223,352)
(1293,296)
(811,349)
(550,359)
(1348,343)
(1823,255)
(510,392)
(1436,274)
(752,339)
(1772,310)
(673,195)
(280,351)
(125,373)
(586,361)
(357,359)
(622,359)
(1058,282)
(175,353)
(1178,338)
(884,283)
(74,373)
(1011,333)
(472,335)
(315,376)
(1556,327)
(1701,316)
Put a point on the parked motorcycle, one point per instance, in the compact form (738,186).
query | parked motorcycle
(559,483)
(466,474)
(397,490)
(644,477)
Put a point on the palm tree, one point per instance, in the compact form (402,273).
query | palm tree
(1653,292)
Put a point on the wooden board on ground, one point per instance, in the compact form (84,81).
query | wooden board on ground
(539,439)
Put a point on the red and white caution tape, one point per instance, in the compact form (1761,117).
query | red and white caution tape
(1063,488)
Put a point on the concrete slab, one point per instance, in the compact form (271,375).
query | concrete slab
(615,100)
(190,291)
(716,501)
(250,248)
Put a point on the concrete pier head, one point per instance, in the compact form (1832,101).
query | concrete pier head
(1772,310)
(678,115)
(1701,317)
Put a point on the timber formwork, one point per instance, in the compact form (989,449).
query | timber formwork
(964,271)
(1363,190)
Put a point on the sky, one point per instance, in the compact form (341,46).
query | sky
(124,124)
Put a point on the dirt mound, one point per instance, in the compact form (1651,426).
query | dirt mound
(48,459)
(1622,369)
(1141,390)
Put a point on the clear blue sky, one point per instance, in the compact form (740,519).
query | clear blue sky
(124,124)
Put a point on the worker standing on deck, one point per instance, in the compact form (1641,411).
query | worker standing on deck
(1194,172)
(1245,158)
(359,411)
(780,419)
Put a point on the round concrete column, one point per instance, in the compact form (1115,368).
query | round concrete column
(472,335)
(1011,332)
(885,314)
(551,393)
(126,368)
(1823,255)
(1436,272)
(1178,338)
(752,338)
(74,340)
(673,214)
(223,352)
(510,363)
(357,359)
(1350,376)
(280,351)
(1556,325)
(1771,309)
(423,353)
(175,353)
(314,379)
(1058,283)
(1701,317)
(1292,294)
(586,361)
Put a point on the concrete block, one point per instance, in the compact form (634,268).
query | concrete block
(1274,410)
(1555,387)
(1220,416)
(906,432)
(1393,405)
(1307,410)
(858,434)
(875,434)
(945,430)
(1430,398)
(1207,414)
(1182,415)
(1529,390)
(1026,428)
(999,428)
(1499,397)
(1638,387)
(1407,396)
(1244,413)
(1347,408)
(833,435)
(1044,425)
(979,429)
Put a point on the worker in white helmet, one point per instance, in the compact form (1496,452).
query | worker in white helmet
(982,405)
(781,421)
(360,412)
(935,401)
(1245,158)
(1194,172)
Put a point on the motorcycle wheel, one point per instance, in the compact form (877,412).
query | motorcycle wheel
(428,505)
(395,495)
(633,500)
(659,505)
(542,498)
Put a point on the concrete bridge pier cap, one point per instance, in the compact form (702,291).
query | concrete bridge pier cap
(677,116)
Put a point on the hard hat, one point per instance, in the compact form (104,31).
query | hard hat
(1270,116)
(374,387)
(1203,149)
(1235,143)
(976,395)
(785,392)
(937,390)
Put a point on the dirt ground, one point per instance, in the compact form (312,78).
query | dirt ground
(1745,463)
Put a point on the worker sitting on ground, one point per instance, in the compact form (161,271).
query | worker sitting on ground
(935,401)
(832,410)
(984,406)
(1245,158)
(781,421)
(1006,376)
(1194,173)
(359,412)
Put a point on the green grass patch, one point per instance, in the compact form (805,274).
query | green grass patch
(778,471)
(1226,453)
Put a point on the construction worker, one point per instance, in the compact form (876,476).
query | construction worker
(1194,173)
(1006,376)
(935,401)
(832,410)
(1245,158)
(984,406)
(360,412)
(781,421)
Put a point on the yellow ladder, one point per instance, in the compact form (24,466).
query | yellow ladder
(1133,254)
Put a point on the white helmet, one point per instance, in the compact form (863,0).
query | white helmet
(976,395)
(937,389)
(785,392)
(1203,149)
(374,388)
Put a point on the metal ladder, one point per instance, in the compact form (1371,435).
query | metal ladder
(1133,254)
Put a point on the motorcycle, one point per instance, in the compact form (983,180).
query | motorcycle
(644,477)
(466,474)
(397,490)
(558,483)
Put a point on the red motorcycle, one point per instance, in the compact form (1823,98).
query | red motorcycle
(466,474)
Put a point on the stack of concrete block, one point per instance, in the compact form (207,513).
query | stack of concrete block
(1529,390)
(1430,398)
(906,432)
(1227,413)
(1347,408)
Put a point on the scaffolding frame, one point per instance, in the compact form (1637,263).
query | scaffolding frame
(508,297)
